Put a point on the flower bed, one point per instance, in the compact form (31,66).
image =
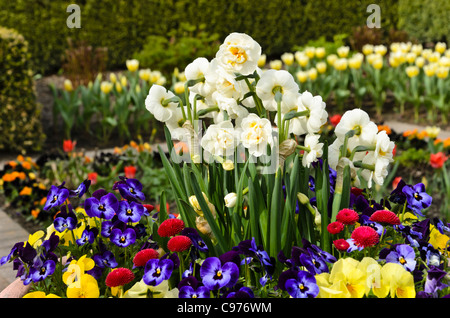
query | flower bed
(269,205)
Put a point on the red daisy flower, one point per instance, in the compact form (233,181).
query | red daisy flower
(365,236)
(119,277)
(335,227)
(341,245)
(347,216)
(179,243)
(385,217)
(170,227)
(142,257)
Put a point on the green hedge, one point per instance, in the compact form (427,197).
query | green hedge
(425,20)
(20,123)
(124,25)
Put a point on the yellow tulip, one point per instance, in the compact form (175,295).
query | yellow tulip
(301,58)
(310,52)
(442,72)
(113,78)
(178,88)
(377,63)
(262,60)
(320,52)
(367,49)
(276,64)
(312,74)
(343,51)
(321,67)
(380,49)
(106,87)
(68,85)
(287,58)
(301,76)
(331,59)
(341,64)
(429,70)
(412,71)
(440,47)
(132,65)
(420,61)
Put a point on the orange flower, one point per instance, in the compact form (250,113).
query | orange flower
(422,134)
(130,171)
(12,163)
(20,158)
(8,177)
(69,145)
(93,177)
(410,133)
(26,165)
(25,191)
(396,182)
(447,143)
(35,212)
(437,160)
(385,128)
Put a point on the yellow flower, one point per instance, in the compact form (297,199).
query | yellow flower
(410,57)
(276,64)
(429,69)
(178,87)
(40,294)
(380,49)
(321,67)
(312,74)
(343,51)
(145,74)
(399,280)
(438,240)
(35,239)
(420,61)
(374,283)
(302,76)
(118,87)
(341,64)
(106,87)
(355,62)
(310,51)
(367,49)
(140,290)
(287,58)
(434,57)
(320,52)
(440,47)
(432,131)
(377,63)
(85,287)
(77,268)
(346,280)
(301,58)
(442,72)
(132,65)
(68,85)
(113,78)
(331,59)
(262,60)
(412,71)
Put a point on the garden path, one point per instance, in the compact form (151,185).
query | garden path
(11,232)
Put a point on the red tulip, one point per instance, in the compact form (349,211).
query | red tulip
(437,160)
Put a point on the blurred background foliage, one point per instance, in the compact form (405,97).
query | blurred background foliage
(147,28)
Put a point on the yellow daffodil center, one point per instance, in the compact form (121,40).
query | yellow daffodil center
(239,54)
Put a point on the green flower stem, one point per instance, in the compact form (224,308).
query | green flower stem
(278,98)
(359,149)
(360,164)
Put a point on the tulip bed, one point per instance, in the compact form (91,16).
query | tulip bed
(270,203)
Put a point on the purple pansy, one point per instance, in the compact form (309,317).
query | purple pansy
(189,292)
(41,270)
(104,207)
(130,211)
(417,198)
(106,259)
(302,286)
(123,238)
(130,189)
(404,255)
(88,236)
(65,220)
(81,189)
(157,270)
(215,275)
(56,196)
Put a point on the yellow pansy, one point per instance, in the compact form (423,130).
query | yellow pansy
(399,280)
(35,239)
(85,287)
(374,282)
(438,240)
(77,268)
(40,294)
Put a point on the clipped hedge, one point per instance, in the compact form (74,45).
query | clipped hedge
(425,20)
(20,123)
(123,26)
